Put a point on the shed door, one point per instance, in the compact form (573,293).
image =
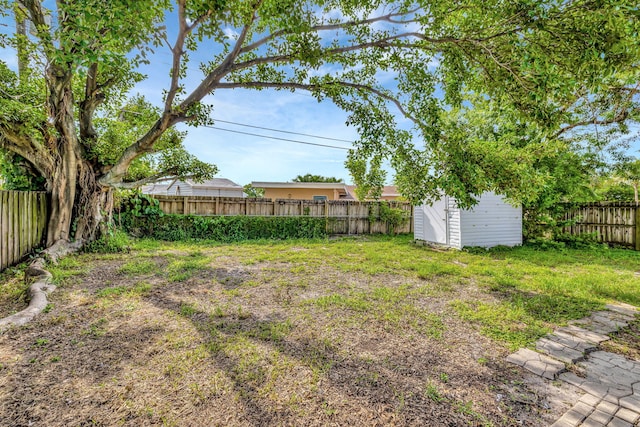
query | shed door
(435,222)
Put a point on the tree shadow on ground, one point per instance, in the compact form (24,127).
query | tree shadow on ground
(376,392)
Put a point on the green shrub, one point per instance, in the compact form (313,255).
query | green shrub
(226,228)
(112,241)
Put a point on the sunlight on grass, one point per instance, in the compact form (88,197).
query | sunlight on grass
(184,268)
(138,267)
(68,269)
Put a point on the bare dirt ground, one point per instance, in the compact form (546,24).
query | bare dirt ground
(238,343)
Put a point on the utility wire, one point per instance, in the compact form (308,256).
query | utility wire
(270,137)
(276,138)
(283,131)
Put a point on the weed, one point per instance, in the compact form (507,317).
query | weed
(466,408)
(138,267)
(113,241)
(433,393)
(97,328)
(184,269)
(218,312)
(111,292)
(187,309)
(41,342)
(327,409)
(68,269)
(274,331)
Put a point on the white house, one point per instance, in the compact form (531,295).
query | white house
(216,187)
(491,222)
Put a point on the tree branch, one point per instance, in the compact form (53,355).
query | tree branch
(383,43)
(328,27)
(620,117)
(15,142)
(92,99)
(38,17)
(209,82)
(177,53)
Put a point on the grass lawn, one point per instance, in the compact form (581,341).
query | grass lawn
(353,331)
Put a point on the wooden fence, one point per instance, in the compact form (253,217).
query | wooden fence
(23,220)
(612,222)
(347,216)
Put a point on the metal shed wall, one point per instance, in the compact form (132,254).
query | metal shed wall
(491,222)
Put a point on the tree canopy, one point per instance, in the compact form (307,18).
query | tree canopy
(459,96)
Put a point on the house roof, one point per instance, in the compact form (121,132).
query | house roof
(324,185)
(210,183)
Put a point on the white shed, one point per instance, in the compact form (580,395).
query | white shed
(491,222)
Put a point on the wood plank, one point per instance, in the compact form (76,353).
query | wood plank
(4,229)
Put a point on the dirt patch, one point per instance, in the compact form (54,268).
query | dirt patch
(266,344)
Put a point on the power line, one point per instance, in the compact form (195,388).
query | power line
(269,129)
(276,138)
(283,131)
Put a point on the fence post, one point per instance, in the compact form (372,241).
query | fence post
(348,217)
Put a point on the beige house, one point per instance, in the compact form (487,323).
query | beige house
(303,190)
(318,191)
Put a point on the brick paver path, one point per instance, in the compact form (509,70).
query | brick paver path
(610,382)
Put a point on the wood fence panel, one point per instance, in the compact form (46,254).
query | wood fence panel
(23,220)
(611,222)
(345,216)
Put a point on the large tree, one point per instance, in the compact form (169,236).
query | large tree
(556,63)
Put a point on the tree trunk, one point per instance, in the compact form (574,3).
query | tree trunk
(63,195)
(78,202)
(80,207)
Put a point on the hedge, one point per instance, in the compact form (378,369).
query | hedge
(225,228)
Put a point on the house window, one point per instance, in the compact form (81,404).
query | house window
(317,198)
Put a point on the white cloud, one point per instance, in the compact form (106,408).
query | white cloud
(231,33)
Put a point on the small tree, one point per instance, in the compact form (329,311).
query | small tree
(629,173)
(316,178)
(254,192)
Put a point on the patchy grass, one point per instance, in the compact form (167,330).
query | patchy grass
(13,290)
(312,332)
